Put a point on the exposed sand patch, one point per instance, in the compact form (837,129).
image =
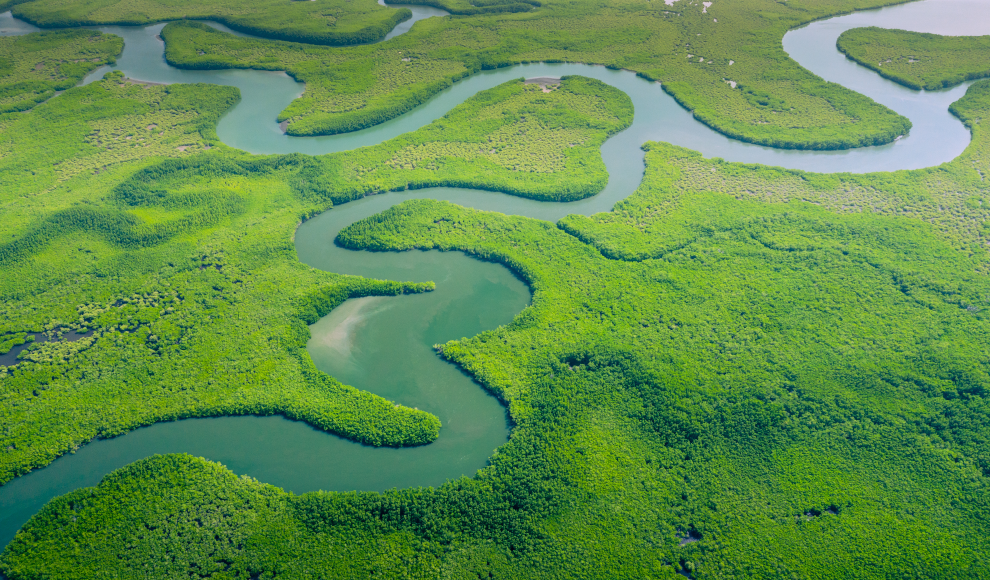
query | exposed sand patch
(705,5)
(669,2)
(548,84)
(336,331)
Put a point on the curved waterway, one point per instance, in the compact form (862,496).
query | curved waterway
(383,344)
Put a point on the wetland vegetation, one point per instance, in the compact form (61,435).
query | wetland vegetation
(918,60)
(35,66)
(732,74)
(334,22)
(785,378)
(739,372)
(170,229)
(531,140)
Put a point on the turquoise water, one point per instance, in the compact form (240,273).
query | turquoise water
(358,342)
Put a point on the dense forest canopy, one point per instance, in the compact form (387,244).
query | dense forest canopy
(738,372)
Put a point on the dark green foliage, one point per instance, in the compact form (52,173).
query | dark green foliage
(801,390)
(156,184)
(752,276)
(117,227)
(774,102)
(398,102)
(951,196)
(882,128)
(333,22)
(918,60)
(789,368)
(971,108)
(475,7)
(208,105)
(146,221)
(152,187)
(11,340)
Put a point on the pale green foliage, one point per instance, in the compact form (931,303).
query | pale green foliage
(517,138)
(918,60)
(34,66)
(57,351)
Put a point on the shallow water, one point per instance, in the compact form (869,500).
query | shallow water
(10,26)
(418,13)
(359,342)
(10,357)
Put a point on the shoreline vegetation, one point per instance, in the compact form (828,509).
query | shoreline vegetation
(329,22)
(774,101)
(476,7)
(34,67)
(324,110)
(951,197)
(918,60)
(520,137)
(768,431)
(516,138)
(739,371)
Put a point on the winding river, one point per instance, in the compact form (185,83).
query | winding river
(358,343)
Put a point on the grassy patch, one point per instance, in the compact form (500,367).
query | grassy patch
(517,138)
(918,60)
(951,197)
(773,102)
(35,66)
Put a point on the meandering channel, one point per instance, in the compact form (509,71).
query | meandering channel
(357,342)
